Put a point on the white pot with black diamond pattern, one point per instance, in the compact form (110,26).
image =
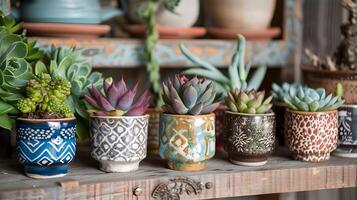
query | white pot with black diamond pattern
(119,143)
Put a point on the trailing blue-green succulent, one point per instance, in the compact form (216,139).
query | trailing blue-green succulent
(68,63)
(147,11)
(189,96)
(279,92)
(311,100)
(238,71)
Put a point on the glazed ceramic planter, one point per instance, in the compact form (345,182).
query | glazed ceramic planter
(46,146)
(186,13)
(311,136)
(219,113)
(347,132)
(119,143)
(153,137)
(279,111)
(66,11)
(242,14)
(249,139)
(187,141)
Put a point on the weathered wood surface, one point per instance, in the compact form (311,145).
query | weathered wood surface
(85,181)
(127,53)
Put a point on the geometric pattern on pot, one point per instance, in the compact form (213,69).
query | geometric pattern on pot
(311,136)
(187,138)
(347,118)
(249,133)
(119,138)
(44,143)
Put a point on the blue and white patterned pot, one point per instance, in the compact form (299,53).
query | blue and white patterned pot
(46,146)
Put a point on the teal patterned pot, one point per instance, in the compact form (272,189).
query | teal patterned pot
(187,141)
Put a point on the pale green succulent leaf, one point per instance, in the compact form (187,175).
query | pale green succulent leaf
(257,78)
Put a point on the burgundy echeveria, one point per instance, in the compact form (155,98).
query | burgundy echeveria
(117,99)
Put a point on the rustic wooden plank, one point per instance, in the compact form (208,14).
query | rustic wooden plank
(280,175)
(127,53)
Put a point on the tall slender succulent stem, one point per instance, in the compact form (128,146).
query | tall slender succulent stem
(152,65)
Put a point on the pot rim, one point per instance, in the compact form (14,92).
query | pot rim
(312,113)
(45,120)
(120,117)
(251,115)
(188,116)
(349,106)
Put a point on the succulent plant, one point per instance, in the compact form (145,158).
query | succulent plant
(279,92)
(9,26)
(117,99)
(46,95)
(251,102)
(15,72)
(311,100)
(238,72)
(147,11)
(189,96)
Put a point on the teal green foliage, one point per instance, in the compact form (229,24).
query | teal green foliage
(238,71)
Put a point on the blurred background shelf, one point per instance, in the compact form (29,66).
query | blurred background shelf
(127,53)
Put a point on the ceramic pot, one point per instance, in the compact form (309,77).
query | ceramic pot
(219,113)
(311,136)
(242,14)
(186,13)
(347,132)
(66,11)
(187,141)
(153,137)
(119,143)
(279,111)
(46,146)
(249,139)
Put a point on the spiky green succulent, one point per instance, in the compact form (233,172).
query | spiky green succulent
(117,99)
(279,92)
(189,96)
(251,102)
(48,95)
(237,71)
(311,100)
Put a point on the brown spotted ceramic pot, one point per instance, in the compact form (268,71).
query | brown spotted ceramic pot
(311,136)
(249,138)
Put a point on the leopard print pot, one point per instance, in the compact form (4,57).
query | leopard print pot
(311,136)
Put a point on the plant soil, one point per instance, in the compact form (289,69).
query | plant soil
(41,115)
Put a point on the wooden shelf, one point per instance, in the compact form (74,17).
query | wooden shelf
(127,53)
(84,180)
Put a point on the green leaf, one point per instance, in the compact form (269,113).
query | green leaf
(40,68)
(6,122)
(208,74)
(257,78)
(53,68)
(5,108)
